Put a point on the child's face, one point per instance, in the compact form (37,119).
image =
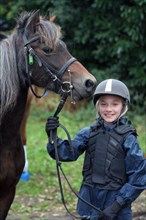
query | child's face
(110,107)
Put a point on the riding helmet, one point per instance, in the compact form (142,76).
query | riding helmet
(111,87)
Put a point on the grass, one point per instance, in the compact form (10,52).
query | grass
(43,183)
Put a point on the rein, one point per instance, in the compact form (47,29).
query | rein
(53,140)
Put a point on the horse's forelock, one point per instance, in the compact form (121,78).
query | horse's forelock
(49,32)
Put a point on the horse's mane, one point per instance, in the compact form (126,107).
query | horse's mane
(9,82)
(9,77)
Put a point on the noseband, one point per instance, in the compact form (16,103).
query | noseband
(30,53)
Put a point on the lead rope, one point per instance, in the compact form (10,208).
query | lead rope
(53,140)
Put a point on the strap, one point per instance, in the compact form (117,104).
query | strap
(66,65)
(61,104)
(125,129)
(27,41)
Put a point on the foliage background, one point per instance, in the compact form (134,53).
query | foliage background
(107,36)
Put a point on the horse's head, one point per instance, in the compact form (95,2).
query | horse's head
(50,64)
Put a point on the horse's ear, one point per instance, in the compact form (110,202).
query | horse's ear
(33,22)
(52,18)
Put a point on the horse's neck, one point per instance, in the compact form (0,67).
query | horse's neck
(12,119)
(20,105)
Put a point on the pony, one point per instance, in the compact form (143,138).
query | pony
(34,54)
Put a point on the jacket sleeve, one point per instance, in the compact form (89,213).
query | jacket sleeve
(79,144)
(135,170)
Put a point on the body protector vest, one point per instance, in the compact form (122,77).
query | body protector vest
(104,158)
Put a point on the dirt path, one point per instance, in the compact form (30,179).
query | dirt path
(59,213)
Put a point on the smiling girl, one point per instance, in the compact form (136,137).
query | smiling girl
(114,170)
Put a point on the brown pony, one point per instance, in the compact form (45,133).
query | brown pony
(33,54)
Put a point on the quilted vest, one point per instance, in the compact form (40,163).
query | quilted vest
(104,158)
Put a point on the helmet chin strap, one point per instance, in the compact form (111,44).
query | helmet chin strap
(97,108)
(125,109)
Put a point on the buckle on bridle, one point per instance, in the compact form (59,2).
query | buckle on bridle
(55,78)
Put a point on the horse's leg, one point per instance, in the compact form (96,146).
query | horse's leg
(23,128)
(12,163)
(5,202)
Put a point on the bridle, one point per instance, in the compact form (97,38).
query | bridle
(31,55)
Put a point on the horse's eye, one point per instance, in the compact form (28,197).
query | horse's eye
(47,50)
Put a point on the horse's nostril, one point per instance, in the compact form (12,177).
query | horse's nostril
(89,84)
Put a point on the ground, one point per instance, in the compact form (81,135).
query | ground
(139,207)
(59,213)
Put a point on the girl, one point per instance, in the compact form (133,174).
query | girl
(114,170)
